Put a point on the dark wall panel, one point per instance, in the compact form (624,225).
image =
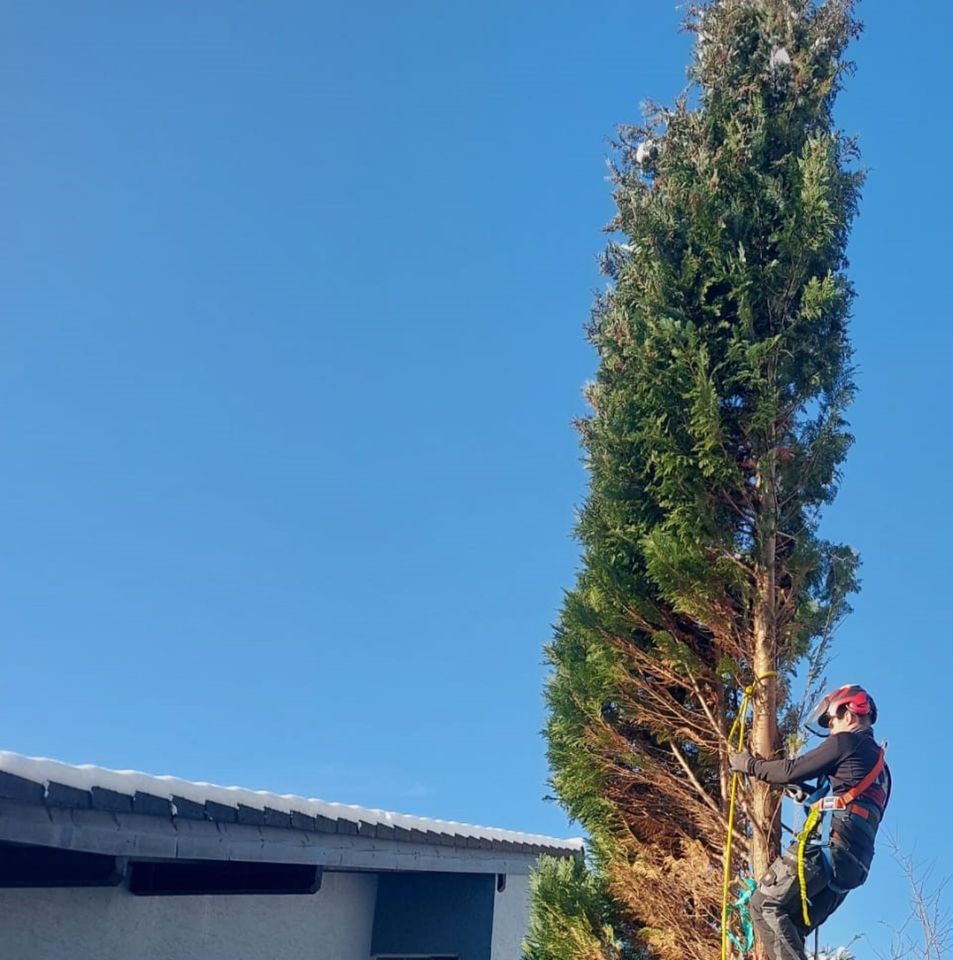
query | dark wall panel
(22,865)
(191,878)
(447,914)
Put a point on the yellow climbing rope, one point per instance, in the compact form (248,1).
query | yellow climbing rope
(738,725)
(806,832)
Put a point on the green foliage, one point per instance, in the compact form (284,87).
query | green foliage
(574,921)
(716,435)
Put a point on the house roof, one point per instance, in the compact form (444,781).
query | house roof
(39,781)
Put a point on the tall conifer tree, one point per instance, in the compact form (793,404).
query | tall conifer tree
(715,437)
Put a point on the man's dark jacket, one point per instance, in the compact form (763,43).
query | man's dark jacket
(845,758)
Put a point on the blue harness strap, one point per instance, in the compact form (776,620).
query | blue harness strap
(823,789)
(827,858)
(824,840)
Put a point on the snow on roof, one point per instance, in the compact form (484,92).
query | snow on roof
(130,782)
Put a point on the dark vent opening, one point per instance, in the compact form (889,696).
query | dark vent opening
(22,865)
(204,877)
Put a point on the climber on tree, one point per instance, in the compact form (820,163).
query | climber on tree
(793,898)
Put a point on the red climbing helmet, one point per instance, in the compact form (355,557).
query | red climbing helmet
(852,697)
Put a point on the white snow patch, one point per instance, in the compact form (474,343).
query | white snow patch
(646,151)
(779,58)
(129,782)
(841,953)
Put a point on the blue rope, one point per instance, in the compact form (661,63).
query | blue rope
(740,906)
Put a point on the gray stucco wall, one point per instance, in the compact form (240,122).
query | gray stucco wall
(111,924)
(510,918)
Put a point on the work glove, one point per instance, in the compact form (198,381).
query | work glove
(739,762)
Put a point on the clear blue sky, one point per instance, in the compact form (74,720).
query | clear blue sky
(293,298)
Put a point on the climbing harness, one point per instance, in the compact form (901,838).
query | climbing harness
(815,806)
(738,725)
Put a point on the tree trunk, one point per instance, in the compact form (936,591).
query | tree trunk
(765,844)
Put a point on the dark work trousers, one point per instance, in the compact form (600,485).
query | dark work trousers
(776,904)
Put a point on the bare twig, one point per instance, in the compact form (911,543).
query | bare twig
(693,780)
(926,932)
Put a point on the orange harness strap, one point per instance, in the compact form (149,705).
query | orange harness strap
(844,800)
